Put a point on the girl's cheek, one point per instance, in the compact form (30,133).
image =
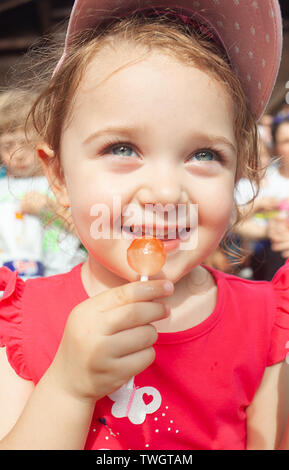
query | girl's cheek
(217,203)
(215,216)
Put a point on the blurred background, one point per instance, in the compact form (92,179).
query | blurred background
(37,240)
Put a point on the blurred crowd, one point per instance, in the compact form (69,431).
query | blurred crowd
(37,237)
(259,244)
(36,234)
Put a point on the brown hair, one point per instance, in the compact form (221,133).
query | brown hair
(171,37)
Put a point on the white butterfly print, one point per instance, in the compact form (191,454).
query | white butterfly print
(135,403)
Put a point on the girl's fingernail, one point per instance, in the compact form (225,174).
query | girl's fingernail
(168,286)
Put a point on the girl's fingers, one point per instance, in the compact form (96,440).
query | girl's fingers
(137,362)
(129,293)
(131,316)
(128,342)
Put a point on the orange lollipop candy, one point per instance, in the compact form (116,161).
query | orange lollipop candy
(146,256)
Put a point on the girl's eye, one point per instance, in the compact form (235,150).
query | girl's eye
(122,150)
(125,150)
(206,156)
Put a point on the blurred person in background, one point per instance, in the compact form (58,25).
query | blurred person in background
(265,129)
(267,207)
(23,190)
(278,230)
(31,223)
(251,234)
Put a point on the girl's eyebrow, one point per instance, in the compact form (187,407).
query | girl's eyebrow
(124,130)
(219,140)
(127,130)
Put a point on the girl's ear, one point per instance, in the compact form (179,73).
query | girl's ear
(54,174)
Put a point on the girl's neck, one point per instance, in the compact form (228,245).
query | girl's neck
(97,278)
(193,301)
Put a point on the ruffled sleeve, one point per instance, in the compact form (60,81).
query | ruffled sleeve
(11,331)
(279,347)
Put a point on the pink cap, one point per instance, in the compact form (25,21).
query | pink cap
(249,30)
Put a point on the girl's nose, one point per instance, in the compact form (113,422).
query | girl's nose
(162,188)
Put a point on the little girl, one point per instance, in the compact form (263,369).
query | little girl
(149,106)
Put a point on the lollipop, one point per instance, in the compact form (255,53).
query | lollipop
(146,256)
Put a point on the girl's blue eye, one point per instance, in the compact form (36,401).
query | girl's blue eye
(205,156)
(122,150)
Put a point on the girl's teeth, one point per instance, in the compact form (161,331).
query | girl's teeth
(165,235)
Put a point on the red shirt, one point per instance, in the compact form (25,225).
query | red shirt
(195,394)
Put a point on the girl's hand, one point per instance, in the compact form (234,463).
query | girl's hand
(278,232)
(265,204)
(108,339)
(34,203)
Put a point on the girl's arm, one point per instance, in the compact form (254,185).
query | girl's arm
(14,393)
(41,417)
(267,415)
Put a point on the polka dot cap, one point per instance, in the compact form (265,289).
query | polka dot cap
(249,30)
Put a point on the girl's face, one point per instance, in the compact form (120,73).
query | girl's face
(153,132)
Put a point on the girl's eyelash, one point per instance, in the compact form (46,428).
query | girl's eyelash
(220,155)
(111,143)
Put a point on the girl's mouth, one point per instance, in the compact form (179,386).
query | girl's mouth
(170,236)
